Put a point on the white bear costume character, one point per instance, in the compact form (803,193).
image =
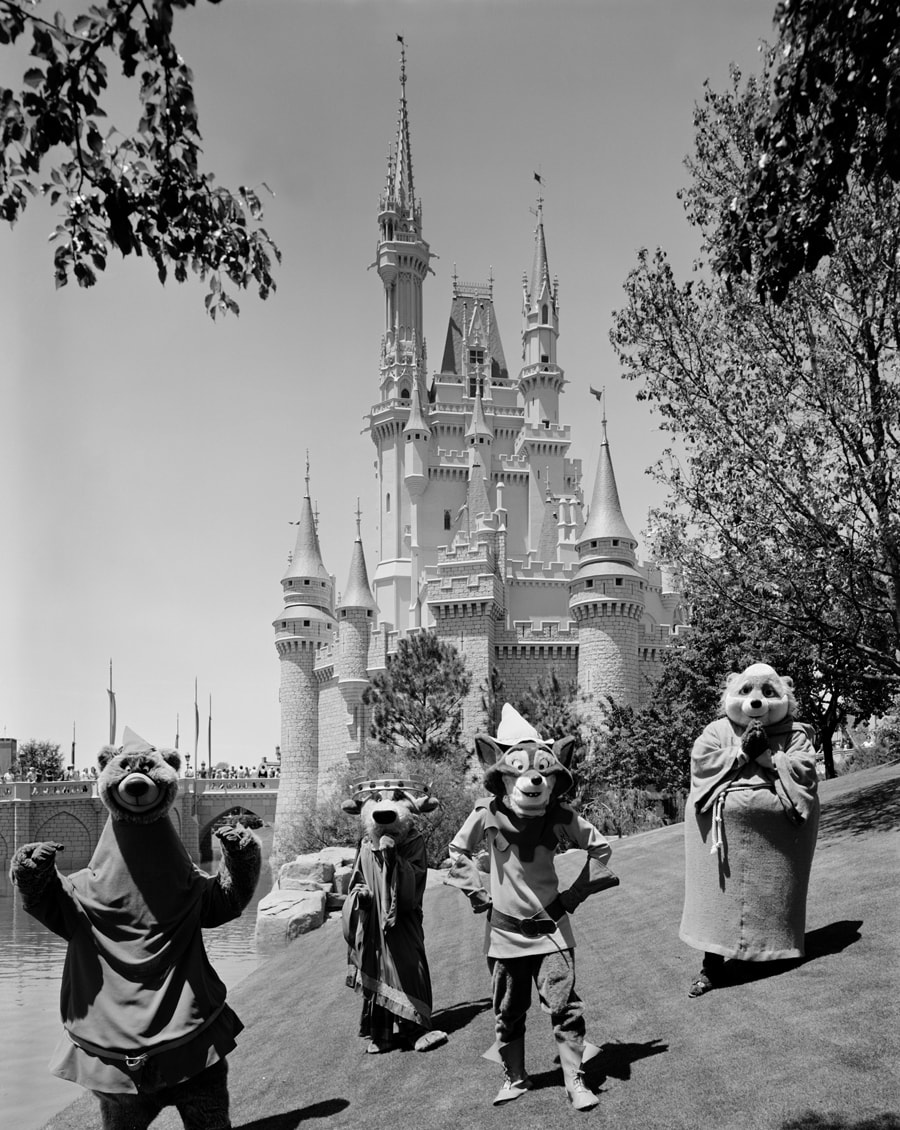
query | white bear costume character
(750,828)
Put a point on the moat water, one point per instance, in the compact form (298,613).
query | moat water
(31,961)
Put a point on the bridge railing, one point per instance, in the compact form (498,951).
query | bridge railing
(43,790)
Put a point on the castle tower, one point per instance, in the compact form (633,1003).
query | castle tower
(305,624)
(416,438)
(606,596)
(402,259)
(545,443)
(356,611)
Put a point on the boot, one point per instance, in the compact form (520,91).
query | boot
(516,1082)
(580,1096)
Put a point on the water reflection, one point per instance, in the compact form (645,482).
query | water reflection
(31,961)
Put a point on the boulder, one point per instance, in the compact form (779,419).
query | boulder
(338,856)
(310,868)
(341,882)
(283,915)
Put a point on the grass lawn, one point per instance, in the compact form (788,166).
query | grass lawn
(815,1046)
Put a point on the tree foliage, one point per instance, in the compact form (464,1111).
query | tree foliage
(41,756)
(141,192)
(783,476)
(551,706)
(417,701)
(833,116)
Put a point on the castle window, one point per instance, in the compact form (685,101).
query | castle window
(590,584)
(446,519)
(618,580)
(306,582)
(615,541)
(387,503)
(546,423)
(369,613)
(476,356)
(476,386)
(545,358)
(404,394)
(306,623)
(284,623)
(544,313)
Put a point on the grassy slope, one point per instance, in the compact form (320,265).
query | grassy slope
(812,1047)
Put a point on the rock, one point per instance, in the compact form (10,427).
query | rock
(306,869)
(339,856)
(334,900)
(283,915)
(341,881)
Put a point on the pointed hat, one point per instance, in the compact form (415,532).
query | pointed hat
(134,743)
(514,729)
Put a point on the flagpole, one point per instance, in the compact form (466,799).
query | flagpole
(112,708)
(176,729)
(73,745)
(209,734)
(196,724)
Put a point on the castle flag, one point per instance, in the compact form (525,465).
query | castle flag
(112,709)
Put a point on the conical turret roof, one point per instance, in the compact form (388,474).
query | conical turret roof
(606,519)
(357,593)
(306,561)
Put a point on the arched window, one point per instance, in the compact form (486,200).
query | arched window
(387,503)
(446,519)
(404,394)
(544,313)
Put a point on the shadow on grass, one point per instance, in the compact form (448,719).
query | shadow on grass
(613,1062)
(457,1016)
(818,943)
(293,1118)
(874,809)
(810,1120)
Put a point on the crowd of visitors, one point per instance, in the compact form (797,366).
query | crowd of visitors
(89,773)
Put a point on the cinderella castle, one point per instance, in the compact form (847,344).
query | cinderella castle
(485,538)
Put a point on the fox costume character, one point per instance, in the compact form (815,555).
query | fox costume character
(529,936)
(750,828)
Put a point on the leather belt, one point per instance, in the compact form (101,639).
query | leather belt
(528,927)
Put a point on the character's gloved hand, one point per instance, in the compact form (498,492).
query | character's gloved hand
(363,896)
(234,839)
(480,901)
(387,845)
(754,741)
(37,857)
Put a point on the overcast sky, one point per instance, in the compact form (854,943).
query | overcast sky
(152,460)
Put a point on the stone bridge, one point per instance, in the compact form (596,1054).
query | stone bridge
(71,813)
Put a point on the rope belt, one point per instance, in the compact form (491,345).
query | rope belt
(527,927)
(718,845)
(134,1061)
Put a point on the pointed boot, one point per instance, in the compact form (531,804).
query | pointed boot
(516,1081)
(580,1095)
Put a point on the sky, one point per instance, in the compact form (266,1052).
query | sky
(152,460)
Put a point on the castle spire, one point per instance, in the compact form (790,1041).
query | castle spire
(402,181)
(605,519)
(306,560)
(358,594)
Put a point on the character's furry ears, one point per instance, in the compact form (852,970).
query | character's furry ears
(108,752)
(490,751)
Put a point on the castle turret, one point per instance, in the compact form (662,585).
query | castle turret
(305,624)
(356,613)
(606,596)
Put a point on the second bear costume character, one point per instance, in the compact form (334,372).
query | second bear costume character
(146,1020)
(529,937)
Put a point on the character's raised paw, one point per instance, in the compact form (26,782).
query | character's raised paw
(429,1040)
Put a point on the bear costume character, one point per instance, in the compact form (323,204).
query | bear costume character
(382,916)
(145,1016)
(528,936)
(750,828)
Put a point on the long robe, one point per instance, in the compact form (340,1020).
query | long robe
(137,978)
(386,939)
(750,834)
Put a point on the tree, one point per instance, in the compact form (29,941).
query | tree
(833,117)
(41,756)
(142,192)
(783,475)
(417,701)
(551,706)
